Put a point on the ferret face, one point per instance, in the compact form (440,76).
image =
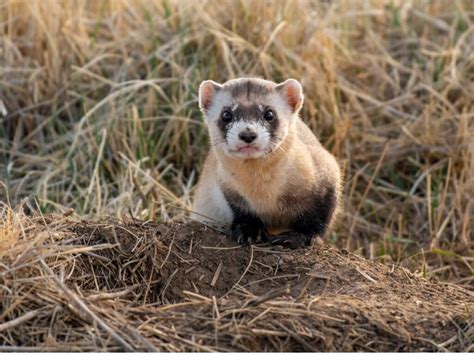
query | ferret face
(249,118)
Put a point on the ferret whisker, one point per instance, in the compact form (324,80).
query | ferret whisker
(276,147)
(217,143)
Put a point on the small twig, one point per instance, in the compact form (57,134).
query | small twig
(271,278)
(437,346)
(222,248)
(170,247)
(162,296)
(17,321)
(269,332)
(216,274)
(365,275)
(196,295)
(108,295)
(190,269)
(81,305)
(449,341)
(245,271)
(268,296)
(407,276)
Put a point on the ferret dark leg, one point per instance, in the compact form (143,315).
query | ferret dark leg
(292,240)
(246,227)
(313,222)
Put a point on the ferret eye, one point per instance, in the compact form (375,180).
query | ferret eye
(268,115)
(226,116)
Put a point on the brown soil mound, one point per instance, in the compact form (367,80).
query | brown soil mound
(97,286)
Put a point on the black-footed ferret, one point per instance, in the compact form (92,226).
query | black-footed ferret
(266,172)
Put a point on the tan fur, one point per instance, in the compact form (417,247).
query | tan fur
(298,164)
(276,187)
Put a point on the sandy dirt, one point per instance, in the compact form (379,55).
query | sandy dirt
(186,287)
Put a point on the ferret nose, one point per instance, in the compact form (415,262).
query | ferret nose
(248,136)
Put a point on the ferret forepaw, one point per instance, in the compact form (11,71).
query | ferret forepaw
(248,234)
(291,240)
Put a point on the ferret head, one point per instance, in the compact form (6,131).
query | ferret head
(249,118)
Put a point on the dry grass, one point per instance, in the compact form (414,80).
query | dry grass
(101,113)
(131,285)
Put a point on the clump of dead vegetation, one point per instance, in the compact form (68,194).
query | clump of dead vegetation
(115,285)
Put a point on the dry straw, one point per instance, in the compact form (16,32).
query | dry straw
(129,285)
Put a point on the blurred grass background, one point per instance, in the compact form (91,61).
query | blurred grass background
(98,109)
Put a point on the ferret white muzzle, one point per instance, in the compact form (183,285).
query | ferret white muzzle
(247,140)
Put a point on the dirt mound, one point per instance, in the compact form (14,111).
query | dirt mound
(114,285)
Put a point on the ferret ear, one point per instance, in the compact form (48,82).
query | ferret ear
(292,92)
(207,92)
